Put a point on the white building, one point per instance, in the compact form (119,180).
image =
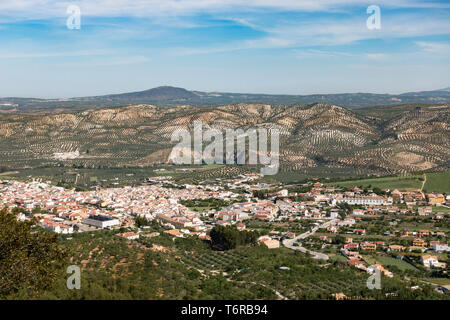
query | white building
(441,247)
(101,221)
(334,214)
(365,200)
(128,235)
(429,261)
(347,222)
(56,227)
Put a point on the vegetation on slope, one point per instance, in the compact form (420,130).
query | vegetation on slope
(30,258)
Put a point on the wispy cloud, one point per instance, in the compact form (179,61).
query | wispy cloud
(315,53)
(377,56)
(54,54)
(154,8)
(259,15)
(331,32)
(117,61)
(259,40)
(434,47)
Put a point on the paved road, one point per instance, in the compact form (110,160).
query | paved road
(289,243)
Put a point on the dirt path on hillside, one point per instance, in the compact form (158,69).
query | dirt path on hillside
(278,294)
(423,184)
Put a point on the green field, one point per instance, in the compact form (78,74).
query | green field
(337,257)
(389,261)
(440,209)
(440,281)
(438,182)
(401,183)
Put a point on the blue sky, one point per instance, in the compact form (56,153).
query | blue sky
(253,46)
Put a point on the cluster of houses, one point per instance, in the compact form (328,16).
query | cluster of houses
(419,198)
(60,209)
(257,209)
(352,249)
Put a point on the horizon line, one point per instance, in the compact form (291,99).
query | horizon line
(217,91)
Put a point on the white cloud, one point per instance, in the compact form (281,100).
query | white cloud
(154,8)
(434,47)
(10,55)
(332,32)
(314,53)
(115,61)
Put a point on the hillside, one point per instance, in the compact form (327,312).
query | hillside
(172,96)
(186,268)
(314,138)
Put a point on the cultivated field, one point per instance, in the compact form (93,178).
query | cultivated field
(399,182)
(438,182)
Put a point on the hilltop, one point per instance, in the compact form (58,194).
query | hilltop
(156,94)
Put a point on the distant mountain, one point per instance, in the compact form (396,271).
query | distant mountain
(156,94)
(172,96)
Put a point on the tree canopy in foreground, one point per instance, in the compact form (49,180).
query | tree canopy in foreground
(29,256)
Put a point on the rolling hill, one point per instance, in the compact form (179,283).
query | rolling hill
(314,137)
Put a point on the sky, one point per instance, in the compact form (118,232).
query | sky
(246,46)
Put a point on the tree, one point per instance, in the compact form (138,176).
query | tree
(378,191)
(339,239)
(29,257)
(141,221)
(230,237)
(259,194)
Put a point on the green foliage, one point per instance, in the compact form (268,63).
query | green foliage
(206,204)
(438,182)
(142,221)
(230,237)
(300,189)
(393,182)
(260,194)
(114,268)
(29,257)
(339,239)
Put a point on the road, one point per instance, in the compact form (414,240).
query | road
(289,243)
